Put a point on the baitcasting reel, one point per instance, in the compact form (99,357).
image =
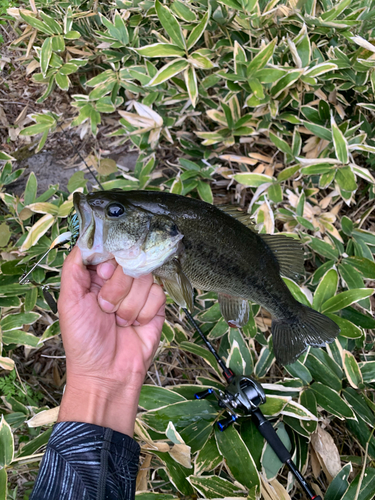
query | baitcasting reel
(242,397)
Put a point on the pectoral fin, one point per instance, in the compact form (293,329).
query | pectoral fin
(176,283)
(234,310)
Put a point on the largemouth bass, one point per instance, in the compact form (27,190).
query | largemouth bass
(188,243)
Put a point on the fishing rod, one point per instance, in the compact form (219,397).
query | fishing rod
(241,398)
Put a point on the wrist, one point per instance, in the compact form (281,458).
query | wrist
(101,402)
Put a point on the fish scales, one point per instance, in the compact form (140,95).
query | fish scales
(187,242)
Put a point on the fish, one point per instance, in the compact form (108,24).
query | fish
(187,243)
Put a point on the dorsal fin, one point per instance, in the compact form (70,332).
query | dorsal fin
(288,253)
(239,214)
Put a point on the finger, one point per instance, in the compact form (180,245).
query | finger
(75,278)
(154,304)
(135,300)
(114,290)
(107,269)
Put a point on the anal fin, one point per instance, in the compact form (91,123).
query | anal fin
(234,310)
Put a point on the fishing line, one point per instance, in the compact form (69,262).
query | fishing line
(79,155)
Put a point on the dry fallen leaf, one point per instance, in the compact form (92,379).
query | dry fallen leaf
(142,476)
(45,417)
(326,452)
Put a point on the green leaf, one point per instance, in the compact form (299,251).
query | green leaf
(58,44)
(365,266)
(168,332)
(345,299)
(339,141)
(362,488)
(326,289)
(368,371)
(297,292)
(20,337)
(252,180)
(168,71)
(280,144)
(160,50)
(204,191)
(154,496)
(31,189)
(191,84)
(36,23)
(182,414)
(198,31)
(153,397)
(5,234)
(285,82)
(320,69)
(3,483)
(202,352)
(5,157)
(352,371)
(264,363)
(330,400)
(347,328)
(321,372)
(62,81)
(261,59)
(275,193)
(340,484)
(51,23)
(45,55)
(15,321)
(72,35)
(239,357)
(51,331)
(237,457)
(299,370)
(308,400)
(6,443)
(214,487)
(36,129)
(208,458)
(177,473)
(346,179)
(347,225)
(319,130)
(170,24)
(181,10)
(323,248)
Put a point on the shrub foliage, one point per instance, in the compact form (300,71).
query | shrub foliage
(275,101)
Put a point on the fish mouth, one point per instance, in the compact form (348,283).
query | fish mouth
(85,217)
(90,240)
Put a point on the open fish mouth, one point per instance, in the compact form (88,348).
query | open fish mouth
(91,229)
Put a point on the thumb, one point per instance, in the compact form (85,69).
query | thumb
(75,278)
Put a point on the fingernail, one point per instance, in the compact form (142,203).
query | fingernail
(121,321)
(105,305)
(106,270)
(136,323)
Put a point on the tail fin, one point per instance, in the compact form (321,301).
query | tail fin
(291,337)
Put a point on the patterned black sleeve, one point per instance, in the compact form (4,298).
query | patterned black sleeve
(87,462)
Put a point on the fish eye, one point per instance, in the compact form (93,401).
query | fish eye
(173,230)
(115,210)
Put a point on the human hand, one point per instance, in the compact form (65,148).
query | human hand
(110,325)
